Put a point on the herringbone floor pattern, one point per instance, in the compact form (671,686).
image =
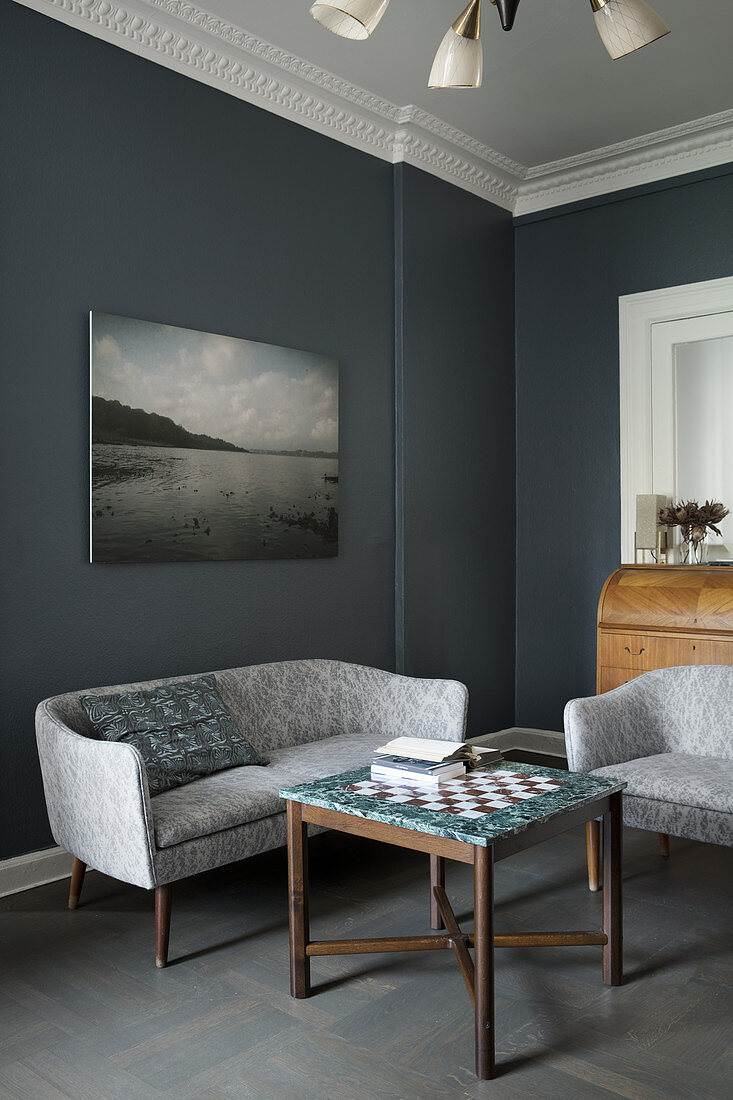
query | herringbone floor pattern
(85,1014)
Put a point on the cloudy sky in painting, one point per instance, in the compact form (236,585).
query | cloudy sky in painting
(254,395)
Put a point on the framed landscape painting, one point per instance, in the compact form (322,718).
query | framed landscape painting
(207,447)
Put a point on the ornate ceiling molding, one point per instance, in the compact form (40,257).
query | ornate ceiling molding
(196,43)
(701,143)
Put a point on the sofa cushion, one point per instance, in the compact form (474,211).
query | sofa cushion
(182,731)
(704,782)
(241,795)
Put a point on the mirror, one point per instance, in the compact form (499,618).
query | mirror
(692,414)
(703,376)
(676,404)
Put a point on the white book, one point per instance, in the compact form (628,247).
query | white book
(418,778)
(424,748)
(427,748)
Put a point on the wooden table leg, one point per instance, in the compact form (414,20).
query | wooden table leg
(483,884)
(612,895)
(593,852)
(300,983)
(437,878)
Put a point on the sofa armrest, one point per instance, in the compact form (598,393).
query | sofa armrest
(612,728)
(97,799)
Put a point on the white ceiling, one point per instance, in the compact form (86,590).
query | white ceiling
(550,90)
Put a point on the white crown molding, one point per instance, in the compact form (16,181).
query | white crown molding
(702,143)
(196,43)
(674,134)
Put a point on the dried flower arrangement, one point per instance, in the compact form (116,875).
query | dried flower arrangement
(696,520)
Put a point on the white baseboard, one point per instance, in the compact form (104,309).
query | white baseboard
(34,869)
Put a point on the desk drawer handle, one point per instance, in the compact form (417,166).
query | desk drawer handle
(634,654)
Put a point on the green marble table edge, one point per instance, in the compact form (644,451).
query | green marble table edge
(579,790)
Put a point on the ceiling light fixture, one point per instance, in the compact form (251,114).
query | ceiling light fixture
(624,26)
(460,58)
(350,18)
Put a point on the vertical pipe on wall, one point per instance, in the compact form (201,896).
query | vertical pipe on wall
(399,582)
(516,483)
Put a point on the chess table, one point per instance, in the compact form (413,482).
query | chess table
(479,819)
(470,796)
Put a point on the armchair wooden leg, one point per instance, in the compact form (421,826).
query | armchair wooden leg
(664,845)
(77,881)
(163,896)
(593,853)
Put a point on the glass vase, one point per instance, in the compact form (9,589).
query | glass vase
(697,552)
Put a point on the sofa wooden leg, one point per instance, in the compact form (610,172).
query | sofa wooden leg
(593,853)
(77,881)
(664,845)
(163,896)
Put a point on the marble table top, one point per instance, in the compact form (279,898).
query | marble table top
(568,791)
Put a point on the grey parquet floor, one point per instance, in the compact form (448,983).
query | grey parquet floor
(85,1014)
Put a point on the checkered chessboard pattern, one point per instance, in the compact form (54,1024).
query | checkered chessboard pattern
(468,796)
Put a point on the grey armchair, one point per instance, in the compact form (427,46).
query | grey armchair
(669,735)
(310,718)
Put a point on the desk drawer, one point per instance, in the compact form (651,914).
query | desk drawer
(614,677)
(713,651)
(644,652)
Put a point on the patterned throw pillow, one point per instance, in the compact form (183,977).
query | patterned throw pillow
(182,731)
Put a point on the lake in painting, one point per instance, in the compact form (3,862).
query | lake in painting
(169,504)
(208,447)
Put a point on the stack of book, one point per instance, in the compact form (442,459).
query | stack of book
(428,762)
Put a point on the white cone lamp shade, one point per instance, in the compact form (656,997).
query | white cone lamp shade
(626,25)
(350,18)
(460,57)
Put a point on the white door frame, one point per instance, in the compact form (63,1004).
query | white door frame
(638,313)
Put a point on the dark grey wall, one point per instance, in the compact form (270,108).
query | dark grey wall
(455,365)
(132,190)
(571,268)
(129,189)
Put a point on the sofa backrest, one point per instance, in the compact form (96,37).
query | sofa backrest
(696,708)
(293,702)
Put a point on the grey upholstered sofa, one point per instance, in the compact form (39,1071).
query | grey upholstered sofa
(310,718)
(669,735)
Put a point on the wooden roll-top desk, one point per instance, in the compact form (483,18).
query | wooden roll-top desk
(658,616)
